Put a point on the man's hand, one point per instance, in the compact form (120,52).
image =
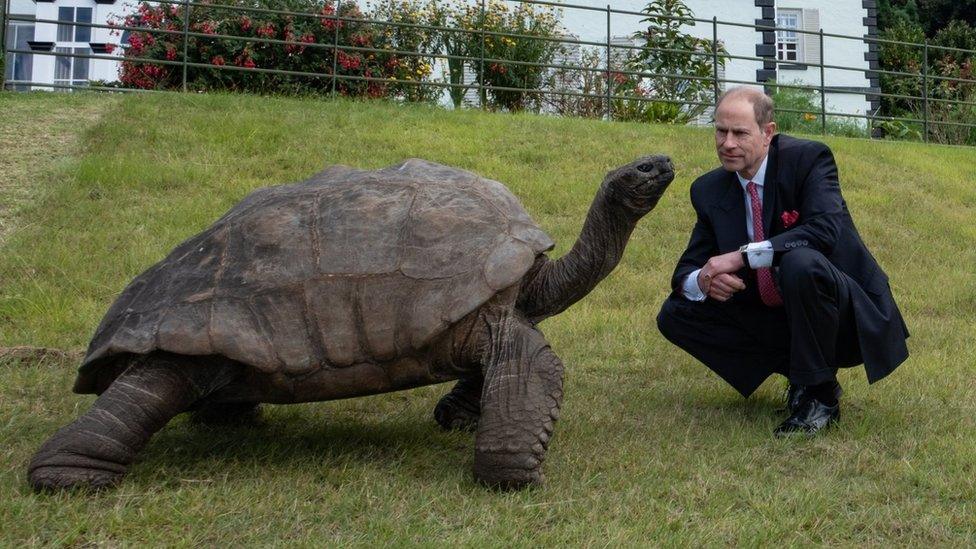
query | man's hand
(716,279)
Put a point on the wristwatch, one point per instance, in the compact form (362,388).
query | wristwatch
(745,256)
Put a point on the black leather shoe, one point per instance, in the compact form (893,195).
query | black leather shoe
(796,394)
(810,417)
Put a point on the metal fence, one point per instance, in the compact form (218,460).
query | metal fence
(923,81)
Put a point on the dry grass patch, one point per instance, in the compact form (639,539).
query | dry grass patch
(38,133)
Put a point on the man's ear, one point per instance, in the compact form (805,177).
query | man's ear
(769,130)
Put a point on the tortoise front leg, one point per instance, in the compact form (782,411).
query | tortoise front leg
(96,449)
(520,403)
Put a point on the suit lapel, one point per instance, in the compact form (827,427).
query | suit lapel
(770,187)
(730,220)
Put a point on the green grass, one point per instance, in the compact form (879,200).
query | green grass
(651,447)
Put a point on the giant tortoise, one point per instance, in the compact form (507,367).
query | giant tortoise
(351,283)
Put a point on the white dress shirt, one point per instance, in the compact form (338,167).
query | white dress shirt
(760,254)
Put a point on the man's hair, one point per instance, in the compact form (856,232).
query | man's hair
(762,104)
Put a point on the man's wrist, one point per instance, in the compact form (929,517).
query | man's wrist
(744,253)
(757,255)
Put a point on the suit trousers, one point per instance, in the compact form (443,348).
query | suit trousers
(744,341)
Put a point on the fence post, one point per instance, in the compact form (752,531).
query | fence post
(925,92)
(335,51)
(823,93)
(482,96)
(186,38)
(4,10)
(714,63)
(609,68)
(3,44)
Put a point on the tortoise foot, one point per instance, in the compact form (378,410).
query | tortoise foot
(505,471)
(75,458)
(56,478)
(454,413)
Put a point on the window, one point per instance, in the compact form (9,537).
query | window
(74,33)
(71,71)
(73,39)
(788,46)
(19,66)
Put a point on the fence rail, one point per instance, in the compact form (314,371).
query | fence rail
(605,96)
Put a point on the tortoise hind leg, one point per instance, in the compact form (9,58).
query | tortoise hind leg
(461,408)
(96,449)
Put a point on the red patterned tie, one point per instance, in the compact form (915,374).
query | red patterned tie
(767,289)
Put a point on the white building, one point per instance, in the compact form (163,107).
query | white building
(47,26)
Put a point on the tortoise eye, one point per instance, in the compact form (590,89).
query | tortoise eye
(646,167)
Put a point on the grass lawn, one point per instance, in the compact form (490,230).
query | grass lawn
(651,447)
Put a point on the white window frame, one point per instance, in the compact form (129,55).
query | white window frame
(789,42)
(73,71)
(15,60)
(72,31)
(69,67)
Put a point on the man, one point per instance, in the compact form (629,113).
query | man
(775,277)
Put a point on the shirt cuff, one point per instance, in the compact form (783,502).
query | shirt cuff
(760,254)
(690,288)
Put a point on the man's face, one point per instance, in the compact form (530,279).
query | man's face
(740,142)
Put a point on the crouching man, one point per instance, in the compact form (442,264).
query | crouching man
(775,278)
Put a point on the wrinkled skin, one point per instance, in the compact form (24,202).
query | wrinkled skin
(510,387)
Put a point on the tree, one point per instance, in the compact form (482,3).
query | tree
(676,68)
(892,13)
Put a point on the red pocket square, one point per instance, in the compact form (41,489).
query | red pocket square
(789,218)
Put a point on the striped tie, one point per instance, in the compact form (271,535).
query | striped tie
(767,288)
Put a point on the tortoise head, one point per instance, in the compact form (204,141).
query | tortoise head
(640,184)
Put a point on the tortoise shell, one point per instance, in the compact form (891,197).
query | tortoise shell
(347,267)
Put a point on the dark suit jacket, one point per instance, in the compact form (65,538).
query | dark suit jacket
(801,175)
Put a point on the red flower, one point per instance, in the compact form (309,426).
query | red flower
(789,218)
(348,62)
(109,48)
(207,27)
(170,54)
(330,24)
(245,23)
(249,63)
(217,60)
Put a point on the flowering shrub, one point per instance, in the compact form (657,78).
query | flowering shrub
(304,44)
(413,69)
(368,53)
(500,22)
